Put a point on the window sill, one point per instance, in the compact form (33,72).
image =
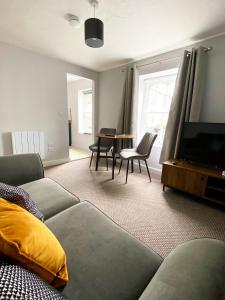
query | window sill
(85,133)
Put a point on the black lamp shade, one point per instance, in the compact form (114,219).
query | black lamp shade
(94,33)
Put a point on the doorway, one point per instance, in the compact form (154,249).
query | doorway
(80,115)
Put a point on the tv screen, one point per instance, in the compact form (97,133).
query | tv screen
(203,143)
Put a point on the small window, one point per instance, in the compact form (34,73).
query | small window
(85,111)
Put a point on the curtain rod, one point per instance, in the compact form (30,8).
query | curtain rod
(158,61)
(207,49)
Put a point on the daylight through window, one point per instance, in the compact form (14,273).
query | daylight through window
(155,95)
(85,111)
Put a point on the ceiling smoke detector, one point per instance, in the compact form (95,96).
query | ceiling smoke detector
(73,20)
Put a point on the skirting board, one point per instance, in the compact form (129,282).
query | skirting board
(154,171)
(52,163)
(56,162)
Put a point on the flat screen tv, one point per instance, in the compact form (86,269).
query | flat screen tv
(203,143)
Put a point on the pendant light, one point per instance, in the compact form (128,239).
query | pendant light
(94,30)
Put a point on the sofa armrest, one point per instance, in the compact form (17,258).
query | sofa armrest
(194,270)
(21,168)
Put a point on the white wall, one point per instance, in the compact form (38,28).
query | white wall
(110,97)
(33,96)
(79,140)
(111,84)
(213,110)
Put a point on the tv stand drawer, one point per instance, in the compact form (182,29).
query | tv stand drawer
(200,181)
(184,180)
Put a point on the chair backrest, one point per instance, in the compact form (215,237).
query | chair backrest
(146,143)
(107,142)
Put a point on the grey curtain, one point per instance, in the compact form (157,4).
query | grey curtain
(125,121)
(187,100)
(135,104)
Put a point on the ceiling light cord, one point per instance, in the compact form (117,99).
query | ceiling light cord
(94,3)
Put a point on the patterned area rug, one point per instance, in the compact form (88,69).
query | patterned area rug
(159,219)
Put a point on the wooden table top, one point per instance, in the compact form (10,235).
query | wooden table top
(116,136)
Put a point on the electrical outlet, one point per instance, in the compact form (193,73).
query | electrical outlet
(51,148)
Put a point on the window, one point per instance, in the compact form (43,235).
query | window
(85,111)
(155,94)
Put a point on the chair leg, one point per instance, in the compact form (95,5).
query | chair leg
(148,170)
(121,163)
(106,158)
(132,166)
(127,170)
(91,159)
(115,157)
(139,165)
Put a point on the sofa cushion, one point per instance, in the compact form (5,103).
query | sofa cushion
(193,271)
(20,284)
(17,195)
(49,196)
(104,261)
(29,241)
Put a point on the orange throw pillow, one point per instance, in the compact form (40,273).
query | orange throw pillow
(28,241)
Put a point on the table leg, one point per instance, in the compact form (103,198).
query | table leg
(131,143)
(114,157)
(132,161)
(98,154)
(122,144)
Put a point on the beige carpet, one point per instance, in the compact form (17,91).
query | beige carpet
(160,220)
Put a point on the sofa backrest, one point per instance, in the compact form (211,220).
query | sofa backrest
(21,168)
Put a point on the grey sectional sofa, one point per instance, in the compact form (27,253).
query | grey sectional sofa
(107,263)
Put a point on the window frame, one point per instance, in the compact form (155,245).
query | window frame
(154,74)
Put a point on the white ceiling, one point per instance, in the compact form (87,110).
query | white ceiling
(133,28)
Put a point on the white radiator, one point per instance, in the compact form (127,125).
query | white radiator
(28,142)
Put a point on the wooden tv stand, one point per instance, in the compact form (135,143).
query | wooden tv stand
(196,180)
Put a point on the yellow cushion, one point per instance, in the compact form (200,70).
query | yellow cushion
(27,240)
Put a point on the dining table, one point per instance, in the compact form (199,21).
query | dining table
(116,138)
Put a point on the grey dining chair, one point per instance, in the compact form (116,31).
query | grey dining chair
(105,145)
(142,152)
